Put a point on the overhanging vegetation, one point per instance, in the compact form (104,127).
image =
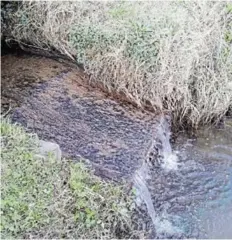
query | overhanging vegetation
(170,56)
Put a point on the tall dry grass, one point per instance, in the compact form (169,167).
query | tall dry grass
(173,56)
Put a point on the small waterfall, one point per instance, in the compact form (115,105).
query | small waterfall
(142,192)
(169,162)
(160,222)
(169,158)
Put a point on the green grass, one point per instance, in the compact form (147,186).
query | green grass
(56,199)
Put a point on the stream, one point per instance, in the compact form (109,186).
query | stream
(186,187)
(188,192)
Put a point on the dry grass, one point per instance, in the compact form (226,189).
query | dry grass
(173,56)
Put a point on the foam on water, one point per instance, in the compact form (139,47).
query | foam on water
(170,162)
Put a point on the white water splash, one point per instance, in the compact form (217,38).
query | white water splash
(169,162)
(170,159)
(161,223)
(142,192)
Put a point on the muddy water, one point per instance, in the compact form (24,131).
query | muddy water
(185,188)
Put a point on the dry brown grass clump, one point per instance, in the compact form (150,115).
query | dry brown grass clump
(173,56)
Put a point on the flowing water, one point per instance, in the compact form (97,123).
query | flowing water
(187,190)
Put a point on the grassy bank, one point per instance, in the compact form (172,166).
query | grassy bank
(51,199)
(171,56)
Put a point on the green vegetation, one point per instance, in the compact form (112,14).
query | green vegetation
(171,56)
(44,198)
